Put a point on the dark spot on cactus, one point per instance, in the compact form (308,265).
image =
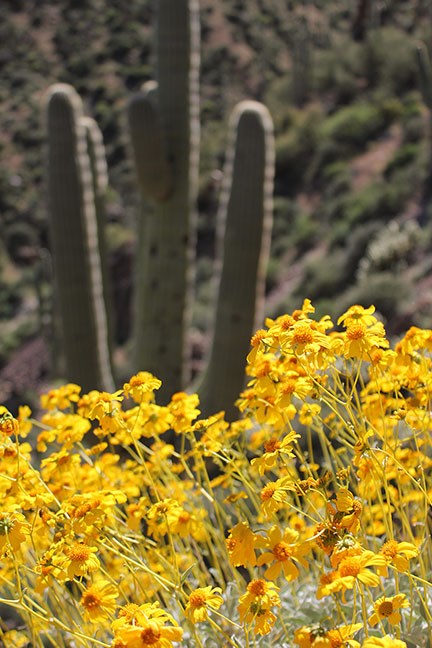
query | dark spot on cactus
(185,240)
(154,285)
(153,250)
(235,318)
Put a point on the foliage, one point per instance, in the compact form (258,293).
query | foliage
(306,522)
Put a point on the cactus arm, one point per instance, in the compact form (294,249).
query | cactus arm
(246,216)
(74,241)
(99,173)
(149,149)
(167,231)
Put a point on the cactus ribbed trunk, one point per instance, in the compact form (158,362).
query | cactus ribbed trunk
(246,220)
(78,277)
(167,230)
(99,173)
(425,80)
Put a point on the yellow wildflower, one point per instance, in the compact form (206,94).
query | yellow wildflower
(80,560)
(99,600)
(141,387)
(14,530)
(8,424)
(240,544)
(200,600)
(284,550)
(274,494)
(387,607)
(399,554)
(254,606)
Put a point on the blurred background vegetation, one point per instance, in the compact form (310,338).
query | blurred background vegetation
(353,186)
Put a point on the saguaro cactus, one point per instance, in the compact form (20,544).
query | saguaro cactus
(78,278)
(245,220)
(164,127)
(425,79)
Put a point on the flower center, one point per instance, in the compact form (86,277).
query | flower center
(257,587)
(272,445)
(289,387)
(90,600)
(6,525)
(303,334)
(350,567)
(79,553)
(184,517)
(197,599)
(257,337)
(385,609)
(263,369)
(356,332)
(281,551)
(150,636)
(268,492)
(231,543)
(389,549)
(335,638)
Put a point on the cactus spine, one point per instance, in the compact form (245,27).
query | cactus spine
(79,292)
(245,221)
(164,127)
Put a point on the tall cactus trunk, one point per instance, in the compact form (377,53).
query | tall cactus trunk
(99,174)
(78,278)
(245,220)
(424,68)
(166,249)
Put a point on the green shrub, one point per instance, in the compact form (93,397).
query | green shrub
(337,71)
(324,276)
(389,60)
(295,150)
(404,156)
(351,127)
(389,293)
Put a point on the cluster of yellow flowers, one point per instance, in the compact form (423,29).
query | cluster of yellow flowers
(306,522)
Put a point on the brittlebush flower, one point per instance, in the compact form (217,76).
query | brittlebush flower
(80,560)
(14,530)
(284,550)
(140,626)
(318,637)
(364,333)
(348,510)
(305,337)
(141,387)
(274,494)
(254,606)
(200,600)
(8,424)
(355,569)
(273,449)
(184,410)
(399,554)
(99,601)
(241,546)
(15,639)
(151,634)
(387,608)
